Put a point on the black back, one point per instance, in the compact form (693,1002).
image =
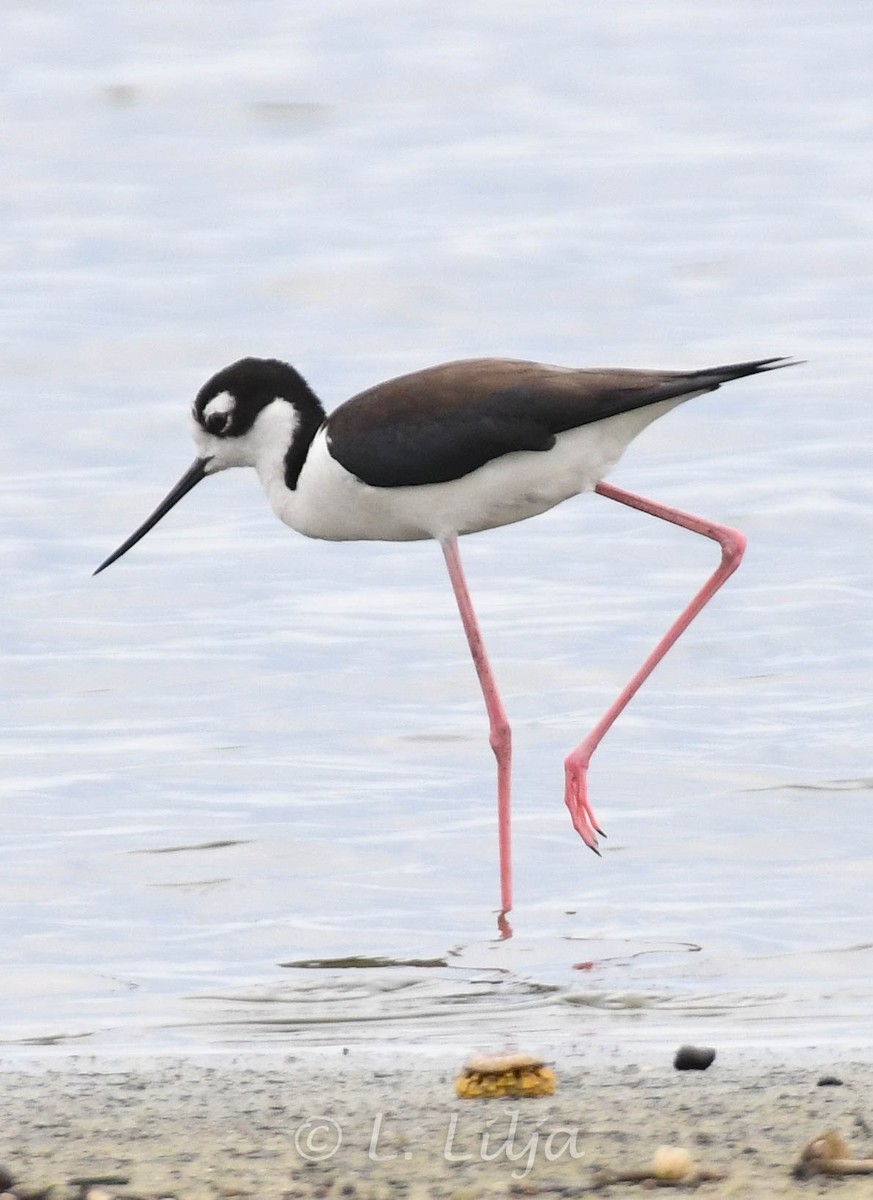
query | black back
(442,423)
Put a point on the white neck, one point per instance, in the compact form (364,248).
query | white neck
(269,440)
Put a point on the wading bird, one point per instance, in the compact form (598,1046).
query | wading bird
(447,451)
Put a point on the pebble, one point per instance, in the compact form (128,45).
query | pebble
(693,1058)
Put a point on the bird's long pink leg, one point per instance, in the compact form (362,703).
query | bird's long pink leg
(500,732)
(733,545)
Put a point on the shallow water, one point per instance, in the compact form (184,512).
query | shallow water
(238,751)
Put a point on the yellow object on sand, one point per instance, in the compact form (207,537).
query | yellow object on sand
(509,1076)
(671,1163)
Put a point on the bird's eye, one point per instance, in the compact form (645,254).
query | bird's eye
(216,423)
(217,415)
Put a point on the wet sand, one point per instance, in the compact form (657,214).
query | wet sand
(361,1125)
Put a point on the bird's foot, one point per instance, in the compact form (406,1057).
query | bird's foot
(576,799)
(504,929)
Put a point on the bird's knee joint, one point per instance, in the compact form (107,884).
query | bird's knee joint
(733,547)
(501,738)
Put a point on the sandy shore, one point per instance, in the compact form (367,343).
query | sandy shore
(366,1126)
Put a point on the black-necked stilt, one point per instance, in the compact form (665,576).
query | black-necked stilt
(454,449)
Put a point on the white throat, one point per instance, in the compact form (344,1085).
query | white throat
(270,439)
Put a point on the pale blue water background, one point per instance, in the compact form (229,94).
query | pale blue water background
(237,749)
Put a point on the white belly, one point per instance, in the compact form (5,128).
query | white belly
(330,503)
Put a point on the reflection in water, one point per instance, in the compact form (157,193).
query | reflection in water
(360,962)
(455,1002)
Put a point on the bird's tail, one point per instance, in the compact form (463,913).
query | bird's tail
(713,376)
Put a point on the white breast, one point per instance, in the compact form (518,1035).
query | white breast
(332,504)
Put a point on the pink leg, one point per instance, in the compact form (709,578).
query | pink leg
(500,732)
(733,545)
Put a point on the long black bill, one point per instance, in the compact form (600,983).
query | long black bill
(191,477)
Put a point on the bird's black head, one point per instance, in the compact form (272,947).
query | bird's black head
(257,412)
(229,403)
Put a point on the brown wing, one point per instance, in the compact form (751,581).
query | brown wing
(444,422)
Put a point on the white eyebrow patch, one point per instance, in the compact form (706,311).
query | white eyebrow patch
(221,405)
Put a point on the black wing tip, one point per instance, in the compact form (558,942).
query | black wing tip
(756,366)
(775,364)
